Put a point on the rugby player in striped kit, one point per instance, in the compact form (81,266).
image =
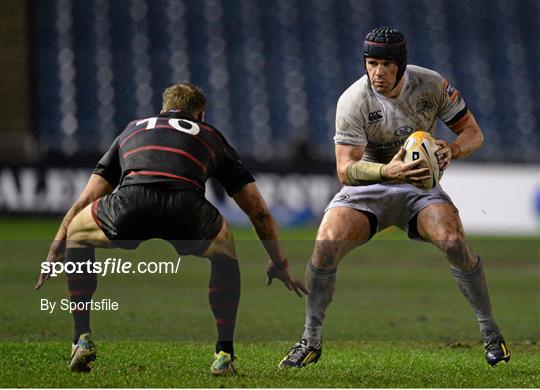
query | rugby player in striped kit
(159,166)
(374,117)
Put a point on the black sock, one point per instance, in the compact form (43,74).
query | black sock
(224,295)
(225,346)
(81,287)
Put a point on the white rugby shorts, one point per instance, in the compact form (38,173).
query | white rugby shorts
(393,204)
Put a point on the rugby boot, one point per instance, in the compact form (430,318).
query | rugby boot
(82,354)
(496,349)
(223,364)
(301,355)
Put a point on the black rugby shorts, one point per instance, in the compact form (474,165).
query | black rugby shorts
(137,213)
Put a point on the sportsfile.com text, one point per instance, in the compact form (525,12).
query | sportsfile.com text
(111,265)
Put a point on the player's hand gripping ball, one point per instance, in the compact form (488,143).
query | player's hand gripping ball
(422,145)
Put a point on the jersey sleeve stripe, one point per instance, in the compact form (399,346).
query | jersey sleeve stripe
(463,114)
(454,96)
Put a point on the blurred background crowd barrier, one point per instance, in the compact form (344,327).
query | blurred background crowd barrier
(76,72)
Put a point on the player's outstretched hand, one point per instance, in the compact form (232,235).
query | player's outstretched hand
(56,253)
(398,170)
(281,271)
(444,154)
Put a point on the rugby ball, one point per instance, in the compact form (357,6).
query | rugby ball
(422,145)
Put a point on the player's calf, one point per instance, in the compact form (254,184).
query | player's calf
(82,287)
(224,296)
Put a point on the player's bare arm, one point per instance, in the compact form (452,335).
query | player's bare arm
(469,139)
(250,200)
(347,155)
(96,188)
(352,171)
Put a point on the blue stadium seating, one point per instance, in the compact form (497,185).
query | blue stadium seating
(273,69)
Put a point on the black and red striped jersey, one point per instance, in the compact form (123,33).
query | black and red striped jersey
(173,151)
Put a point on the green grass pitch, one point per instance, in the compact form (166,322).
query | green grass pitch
(397,320)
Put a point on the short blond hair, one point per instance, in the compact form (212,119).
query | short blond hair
(185,97)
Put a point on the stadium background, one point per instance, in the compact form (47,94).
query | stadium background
(75,72)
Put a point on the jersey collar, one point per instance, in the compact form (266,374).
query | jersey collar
(177,114)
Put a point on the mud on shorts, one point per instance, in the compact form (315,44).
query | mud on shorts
(390,204)
(137,213)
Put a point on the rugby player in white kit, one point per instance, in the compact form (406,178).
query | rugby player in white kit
(374,117)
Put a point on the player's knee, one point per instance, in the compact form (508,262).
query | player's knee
(326,254)
(220,250)
(222,245)
(227,241)
(455,248)
(446,236)
(225,233)
(453,244)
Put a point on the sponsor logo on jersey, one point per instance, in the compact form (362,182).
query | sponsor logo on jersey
(452,93)
(375,116)
(424,104)
(449,89)
(403,131)
(347,135)
(342,198)
(388,145)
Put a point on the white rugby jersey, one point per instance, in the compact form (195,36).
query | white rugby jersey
(382,124)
